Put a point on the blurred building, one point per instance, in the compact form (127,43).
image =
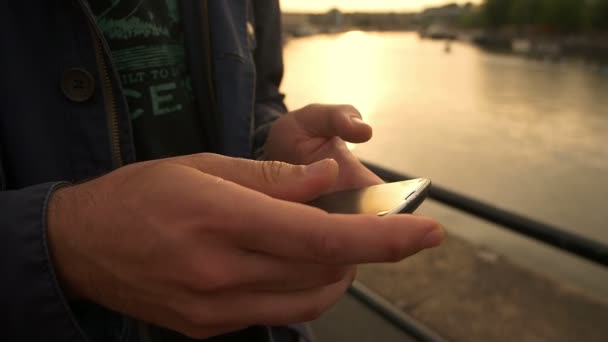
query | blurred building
(442,22)
(447,13)
(300,24)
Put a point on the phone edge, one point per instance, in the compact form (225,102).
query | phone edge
(410,206)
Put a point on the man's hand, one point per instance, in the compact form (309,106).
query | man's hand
(316,132)
(206,244)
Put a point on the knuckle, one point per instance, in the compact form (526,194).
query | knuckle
(312,107)
(395,251)
(271,171)
(340,116)
(218,180)
(336,111)
(326,247)
(206,157)
(349,109)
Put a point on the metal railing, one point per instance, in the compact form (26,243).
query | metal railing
(557,237)
(399,319)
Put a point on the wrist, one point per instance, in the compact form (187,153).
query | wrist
(61,214)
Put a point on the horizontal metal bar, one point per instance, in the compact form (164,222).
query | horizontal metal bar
(555,236)
(396,317)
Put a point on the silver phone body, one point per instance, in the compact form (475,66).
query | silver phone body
(381,200)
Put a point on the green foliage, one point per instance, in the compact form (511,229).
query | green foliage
(497,12)
(525,12)
(557,15)
(473,19)
(595,15)
(563,15)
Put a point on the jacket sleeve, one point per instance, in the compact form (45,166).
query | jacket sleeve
(268,56)
(33,307)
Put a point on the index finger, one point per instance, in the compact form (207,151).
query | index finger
(308,234)
(343,121)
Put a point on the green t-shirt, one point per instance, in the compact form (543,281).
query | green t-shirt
(147,45)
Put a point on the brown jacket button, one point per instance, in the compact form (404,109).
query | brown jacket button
(78,85)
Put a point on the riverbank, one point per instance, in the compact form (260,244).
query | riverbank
(590,48)
(468,293)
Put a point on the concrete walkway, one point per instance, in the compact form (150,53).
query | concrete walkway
(351,321)
(469,294)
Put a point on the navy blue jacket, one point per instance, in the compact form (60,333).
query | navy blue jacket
(63,117)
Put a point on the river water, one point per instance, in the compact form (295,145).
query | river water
(527,135)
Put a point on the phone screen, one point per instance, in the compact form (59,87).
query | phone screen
(381,200)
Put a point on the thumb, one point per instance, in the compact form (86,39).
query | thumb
(296,183)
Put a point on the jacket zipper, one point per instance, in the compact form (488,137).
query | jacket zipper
(108,90)
(110,102)
(197,36)
(213,142)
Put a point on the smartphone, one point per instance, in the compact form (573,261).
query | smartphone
(381,200)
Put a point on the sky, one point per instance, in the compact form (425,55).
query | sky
(362,5)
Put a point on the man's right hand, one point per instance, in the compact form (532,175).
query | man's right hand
(206,244)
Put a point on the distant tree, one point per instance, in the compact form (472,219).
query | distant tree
(595,16)
(563,15)
(496,12)
(473,18)
(525,12)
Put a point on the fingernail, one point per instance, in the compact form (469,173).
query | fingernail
(317,168)
(358,121)
(433,238)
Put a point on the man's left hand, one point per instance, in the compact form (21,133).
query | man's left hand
(317,132)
